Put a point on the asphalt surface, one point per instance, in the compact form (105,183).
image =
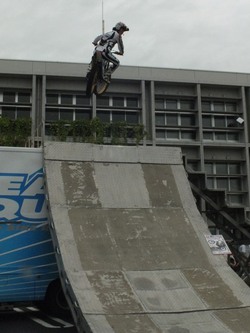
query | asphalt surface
(31,320)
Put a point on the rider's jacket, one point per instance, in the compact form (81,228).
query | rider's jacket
(108,40)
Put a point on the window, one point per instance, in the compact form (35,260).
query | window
(206,106)
(193,166)
(221,168)
(171,104)
(52,114)
(172,134)
(233,137)
(159,104)
(209,168)
(52,99)
(23,113)
(118,101)
(66,114)
(235,184)
(160,119)
(208,136)
(187,105)
(172,119)
(82,100)
(219,106)
(219,121)
(24,98)
(210,182)
(222,183)
(231,107)
(102,101)
(207,121)
(188,135)
(132,117)
(9,97)
(104,116)
(234,169)
(118,116)
(82,114)
(132,102)
(9,112)
(220,136)
(160,134)
(187,120)
(235,199)
(67,99)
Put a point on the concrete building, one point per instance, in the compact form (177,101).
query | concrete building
(204,112)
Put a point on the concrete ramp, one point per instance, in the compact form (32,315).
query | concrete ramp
(131,247)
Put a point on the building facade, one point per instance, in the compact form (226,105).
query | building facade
(204,112)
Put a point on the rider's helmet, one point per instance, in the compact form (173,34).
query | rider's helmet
(120,25)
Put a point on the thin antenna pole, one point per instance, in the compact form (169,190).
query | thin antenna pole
(102,17)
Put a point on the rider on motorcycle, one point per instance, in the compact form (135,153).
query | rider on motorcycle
(104,44)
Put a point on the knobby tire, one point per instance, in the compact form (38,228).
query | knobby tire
(100,87)
(92,78)
(95,83)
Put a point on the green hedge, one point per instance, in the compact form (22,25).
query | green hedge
(95,131)
(14,133)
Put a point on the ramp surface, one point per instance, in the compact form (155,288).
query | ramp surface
(133,256)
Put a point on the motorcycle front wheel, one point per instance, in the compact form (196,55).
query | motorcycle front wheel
(100,87)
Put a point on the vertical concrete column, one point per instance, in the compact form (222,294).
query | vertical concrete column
(244,110)
(201,147)
(143,108)
(93,99)
(33,111)
(199,119)
(43,106)
(152,101)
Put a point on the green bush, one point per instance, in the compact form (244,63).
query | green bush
(14,132)
(95,131)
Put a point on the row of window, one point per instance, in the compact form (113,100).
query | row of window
(162,134)
(70,99)
(163,119)
(190,104)
(54,114)
(209,121)
(228,184)
(174,104)
(229,168)
(221,136)
(103,101)
(224,176)
(220,121)
(181,134)
(15,97)
(232,186)
(116,101)
(16,112)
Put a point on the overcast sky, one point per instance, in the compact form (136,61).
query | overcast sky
(191,34)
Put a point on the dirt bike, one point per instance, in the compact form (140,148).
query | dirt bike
(99,76)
